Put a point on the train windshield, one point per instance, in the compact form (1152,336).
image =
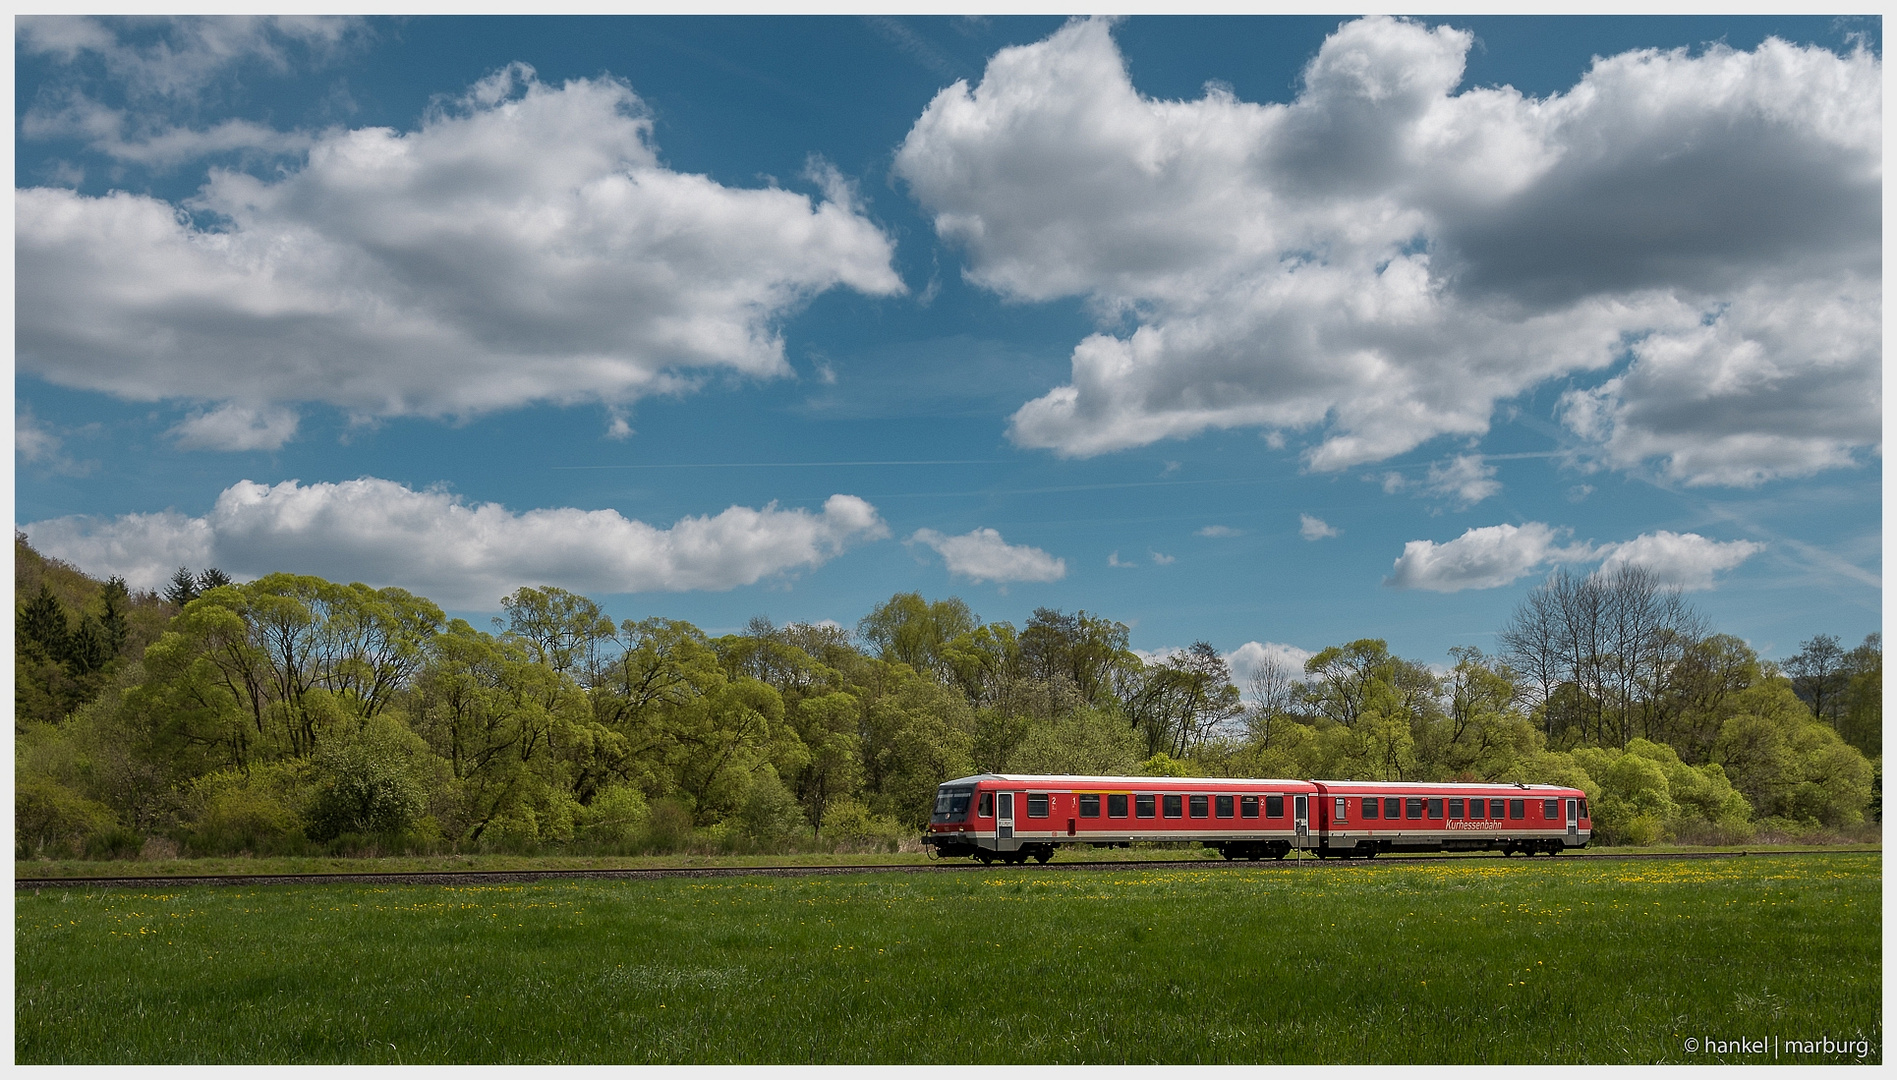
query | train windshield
(951,803)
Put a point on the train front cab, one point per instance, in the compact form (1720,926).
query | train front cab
(977,816)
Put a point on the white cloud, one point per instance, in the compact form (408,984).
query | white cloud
(982,555)
(1464,479)
(126,136)
(143,549)
(34,441)
(236,426)
(1687,560)
(38,443)
(458,554)
(1384,259)
(1248,657)
(1785,383)
(1495,555)
(1313,528)
(1113,560)
(1160,559)
(524,245)
(1481,558)
(1217,530)
(179,57)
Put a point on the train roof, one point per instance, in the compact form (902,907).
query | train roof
(1124,781)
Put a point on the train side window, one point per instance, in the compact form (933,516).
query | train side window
(1223,806)
(1495,809)
(1583,807)
(1201,805)
(987,805)
(1090,806)
(1116,806)
(1393,808)
(1143,805)
(1370,809)
(1175,805)
(1551,809)
(1343,812)
(1037,805)
(1475,808)
(1436,809)
(1518,808)
(1413,808)
(1455,808)
(1248,805)
(1274,806)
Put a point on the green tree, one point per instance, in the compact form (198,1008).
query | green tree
(906,629)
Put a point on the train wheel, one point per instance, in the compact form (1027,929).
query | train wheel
(1043,855)
(987,857)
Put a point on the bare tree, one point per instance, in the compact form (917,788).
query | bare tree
(1273,692)
(1598,652)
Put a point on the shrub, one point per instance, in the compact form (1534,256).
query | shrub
(366,784)
(255,811)
(770,814)
(851,826)
(53,821)
(668,827)
(616,817)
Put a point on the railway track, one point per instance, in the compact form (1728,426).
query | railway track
(503,877)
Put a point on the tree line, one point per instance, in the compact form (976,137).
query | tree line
(294,714)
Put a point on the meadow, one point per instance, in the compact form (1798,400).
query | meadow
(1452,961)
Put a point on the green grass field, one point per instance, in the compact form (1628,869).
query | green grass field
(1456,961)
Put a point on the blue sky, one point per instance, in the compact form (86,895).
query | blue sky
(1279,331)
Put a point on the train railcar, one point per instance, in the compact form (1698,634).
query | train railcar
(1013,818)
(1360,818)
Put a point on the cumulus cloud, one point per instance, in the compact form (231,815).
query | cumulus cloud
(1382,260)
(1495,555)
(1785,383)
(1687,560)
(1481,558)
(524,245)
(1248,657)
(236,426)
(458,553)
(1315,528)
(982,555)
(1217,531)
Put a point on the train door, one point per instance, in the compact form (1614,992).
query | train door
(1004,821)
(1574,821)
(1301,820)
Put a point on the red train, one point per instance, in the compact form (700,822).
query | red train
(1016,818)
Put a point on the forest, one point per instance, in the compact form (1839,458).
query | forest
(294,715)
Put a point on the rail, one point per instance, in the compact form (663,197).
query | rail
(502,877)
